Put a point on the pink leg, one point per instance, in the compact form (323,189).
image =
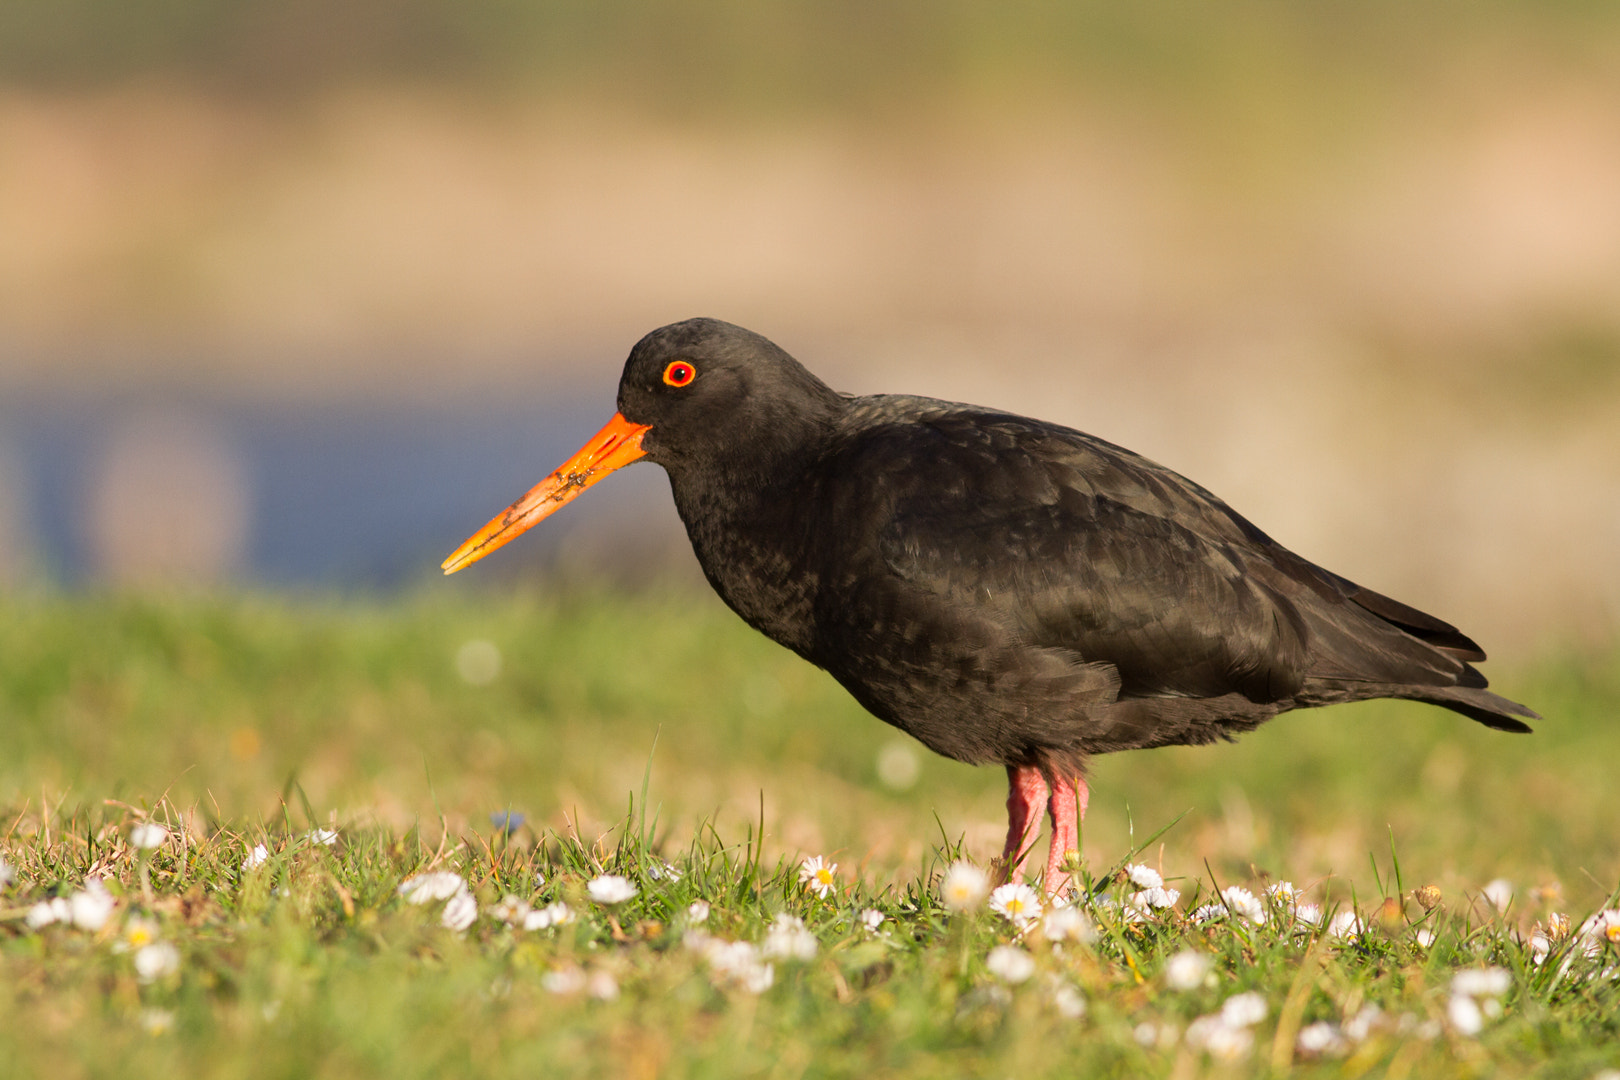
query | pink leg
(1068,809)
(1026,793)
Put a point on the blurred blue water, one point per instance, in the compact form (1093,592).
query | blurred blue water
(347,495)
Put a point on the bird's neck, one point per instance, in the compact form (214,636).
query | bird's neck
(751,540)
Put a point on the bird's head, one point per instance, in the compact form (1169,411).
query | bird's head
(696,396)
(717,397)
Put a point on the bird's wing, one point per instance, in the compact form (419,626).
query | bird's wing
(1081,545)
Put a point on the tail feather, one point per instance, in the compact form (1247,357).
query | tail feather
(1492,710)
(1472,678)
(1377,647)
(1436,633)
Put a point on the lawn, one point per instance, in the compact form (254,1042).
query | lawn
(307,758)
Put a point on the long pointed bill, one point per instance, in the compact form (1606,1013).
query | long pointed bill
(616,445)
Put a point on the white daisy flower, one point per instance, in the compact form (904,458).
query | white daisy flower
(787,939)
(1321,1039)
(758,978)
(1486,982)
(459,912)
(511,910)
(1602,927)
(871,918)
(818,875)
(256,858)
(1309,914)
(1244,1010)
(564,981)
(90,908)
(1156,897)
(157,1021)
(46,912)
(147,835)
(138,933)
(322,837)
(964,886)
(434,885)
(738,963)
(1066,999)
(1210,913)
(1187,969)
(1219,1039)
(553,914)
(1346,925)
(610,889)
(1144,877)
(1010,964)
(1291,899)
(1068,924)
(601,985)
(1465,1016)
(697,911)
(1229,1043)
(1425,938)
(1361,1025)
(1130,913)
(156,961)
(1499,893)
(1244,904)
(1018,904)
(1283,892)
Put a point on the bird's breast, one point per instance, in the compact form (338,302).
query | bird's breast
(756,553)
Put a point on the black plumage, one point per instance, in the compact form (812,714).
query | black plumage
(1004,589)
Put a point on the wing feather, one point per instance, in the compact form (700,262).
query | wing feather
(1080,545)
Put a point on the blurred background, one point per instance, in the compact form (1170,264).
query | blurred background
(298,294)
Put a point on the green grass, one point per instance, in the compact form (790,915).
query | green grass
(241,721)
(713,56)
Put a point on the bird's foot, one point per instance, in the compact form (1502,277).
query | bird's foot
(1068,808)
(1027,793)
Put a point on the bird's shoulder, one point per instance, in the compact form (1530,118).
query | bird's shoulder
(943,467)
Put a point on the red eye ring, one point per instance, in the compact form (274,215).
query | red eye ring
(679,373)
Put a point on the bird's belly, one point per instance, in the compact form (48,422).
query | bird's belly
(963,683)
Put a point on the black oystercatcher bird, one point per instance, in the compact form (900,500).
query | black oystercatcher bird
(1006,590)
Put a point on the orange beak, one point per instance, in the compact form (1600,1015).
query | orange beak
(616,445)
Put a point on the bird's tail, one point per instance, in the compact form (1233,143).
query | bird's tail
(1476,703)
(1373,647)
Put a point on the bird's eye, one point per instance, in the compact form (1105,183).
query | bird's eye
(679,373)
